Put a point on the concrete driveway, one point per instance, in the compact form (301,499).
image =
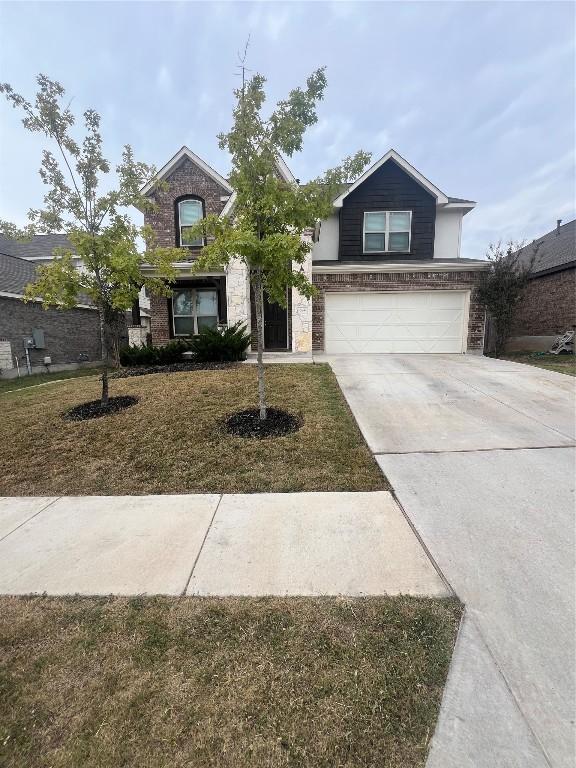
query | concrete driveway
(481,455)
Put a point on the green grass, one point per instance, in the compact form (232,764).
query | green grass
(226,683)
(559,363)
(7,385)
(172,440)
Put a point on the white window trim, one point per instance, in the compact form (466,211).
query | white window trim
(194,316)
(386,232)
(187,245)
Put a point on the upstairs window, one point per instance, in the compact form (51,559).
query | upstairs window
(189,213)
(387,231)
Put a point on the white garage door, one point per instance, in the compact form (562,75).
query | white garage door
(415,321)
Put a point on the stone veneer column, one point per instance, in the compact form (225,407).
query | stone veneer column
(302,307)
(6,361)
(137,335)
(237,293)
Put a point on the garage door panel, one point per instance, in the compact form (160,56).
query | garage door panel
(411,301)
(402,322)
(444,315)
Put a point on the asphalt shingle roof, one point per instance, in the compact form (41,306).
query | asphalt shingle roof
(556,249)
(15,274)
(39,247)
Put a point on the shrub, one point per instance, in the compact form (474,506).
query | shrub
(502,287)
(149,355)
(221,345)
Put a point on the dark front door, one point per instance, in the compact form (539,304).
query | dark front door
(275,325)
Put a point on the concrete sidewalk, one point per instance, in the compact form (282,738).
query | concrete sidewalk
(260,544)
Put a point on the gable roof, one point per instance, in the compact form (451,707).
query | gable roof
(441,198)
(557,250)
(15,274)
(38,248)
(283,170)
(178,157)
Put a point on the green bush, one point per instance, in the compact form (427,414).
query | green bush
(149,355)
(221,345)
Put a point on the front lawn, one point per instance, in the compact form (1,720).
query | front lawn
(171,440)
(22,382)
(558,363)
(228,683)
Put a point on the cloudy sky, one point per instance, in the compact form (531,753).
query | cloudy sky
(479,96)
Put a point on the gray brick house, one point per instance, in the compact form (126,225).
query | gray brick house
(67,337)
(386,264)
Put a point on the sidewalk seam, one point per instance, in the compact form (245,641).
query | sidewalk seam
(183,593)
(32,516)
(429,555)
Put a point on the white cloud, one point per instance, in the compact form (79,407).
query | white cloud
(381,143)
(276,22)
(205,101)
(164,79)
(526,214)
(407,118)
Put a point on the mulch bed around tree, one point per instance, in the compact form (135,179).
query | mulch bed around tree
(249,424)
(144,370)
(94,409)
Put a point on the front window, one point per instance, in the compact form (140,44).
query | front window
(387,231)
(189,213)
(194,309)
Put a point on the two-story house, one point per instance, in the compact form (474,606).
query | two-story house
(386,264)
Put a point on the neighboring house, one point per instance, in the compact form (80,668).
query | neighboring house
(386,265)
(549,305)
(31,335)
(38,249)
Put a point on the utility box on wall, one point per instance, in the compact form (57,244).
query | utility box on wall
(38,336)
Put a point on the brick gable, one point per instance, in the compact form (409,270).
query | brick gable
(186,179)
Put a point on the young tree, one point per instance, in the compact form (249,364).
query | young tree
(502,287)
(95,221)
(269,216)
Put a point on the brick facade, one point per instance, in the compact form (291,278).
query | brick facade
(159,320)
(186,179)
(68,334)
(549,305)
(398,281)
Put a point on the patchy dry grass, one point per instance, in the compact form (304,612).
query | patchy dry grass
(172,441)
(558,363)
(226,683)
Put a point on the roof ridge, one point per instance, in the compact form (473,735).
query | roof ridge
(12,256)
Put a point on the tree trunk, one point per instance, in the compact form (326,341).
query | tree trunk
(259,306)
(104,347)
